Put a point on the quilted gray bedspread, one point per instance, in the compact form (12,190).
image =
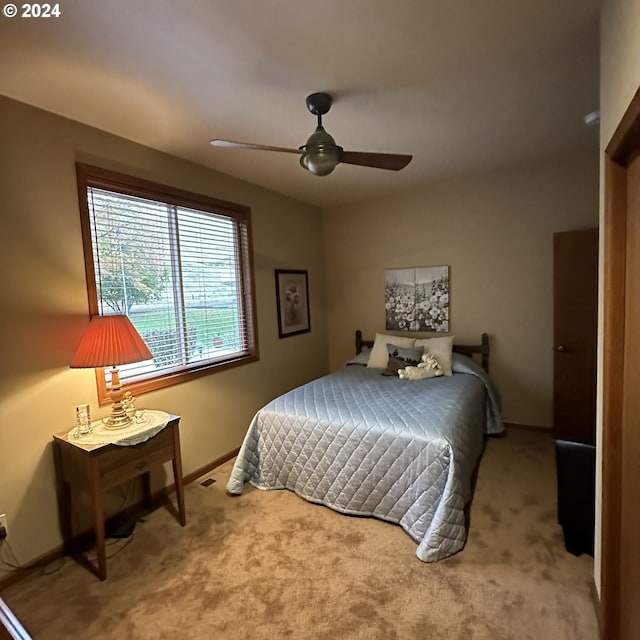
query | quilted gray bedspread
(362,443)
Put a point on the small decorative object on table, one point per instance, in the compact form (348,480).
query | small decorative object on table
(83,419)
(129,405)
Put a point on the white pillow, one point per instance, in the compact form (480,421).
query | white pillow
(379,355)
(441,349)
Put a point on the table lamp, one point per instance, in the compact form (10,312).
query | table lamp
(110,341)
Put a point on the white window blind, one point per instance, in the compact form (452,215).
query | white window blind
(181,274)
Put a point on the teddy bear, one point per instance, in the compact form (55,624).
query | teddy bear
(428,367)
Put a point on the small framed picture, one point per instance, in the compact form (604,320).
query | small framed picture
(292,298)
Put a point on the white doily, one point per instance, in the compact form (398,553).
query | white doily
(145,425)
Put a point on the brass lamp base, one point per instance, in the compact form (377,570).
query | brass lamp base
(118,418)
(117,421)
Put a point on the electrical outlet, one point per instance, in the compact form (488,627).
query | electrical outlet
(4,527)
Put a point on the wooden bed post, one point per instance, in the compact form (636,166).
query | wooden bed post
(485,352)
(358,341)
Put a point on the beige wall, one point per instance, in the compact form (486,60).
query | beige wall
(43,306)
(619,80)
(495,231)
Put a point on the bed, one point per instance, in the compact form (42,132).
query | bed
(366,444)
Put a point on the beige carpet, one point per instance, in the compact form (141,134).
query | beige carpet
(270,565)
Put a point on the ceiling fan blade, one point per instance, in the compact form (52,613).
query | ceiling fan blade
(390,161)
(230,144)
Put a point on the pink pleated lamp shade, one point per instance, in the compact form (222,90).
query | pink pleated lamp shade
(110,341)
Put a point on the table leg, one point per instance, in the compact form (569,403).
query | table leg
(63,490)
(177,474)
(98,514)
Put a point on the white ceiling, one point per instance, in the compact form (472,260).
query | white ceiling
(460,84)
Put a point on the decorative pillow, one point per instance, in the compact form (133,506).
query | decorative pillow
(379,356)
(401,357)
(441,349)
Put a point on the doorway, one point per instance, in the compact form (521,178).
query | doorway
(575,332)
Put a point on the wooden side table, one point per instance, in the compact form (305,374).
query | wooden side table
(106,466)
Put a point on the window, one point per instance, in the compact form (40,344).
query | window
(179,265)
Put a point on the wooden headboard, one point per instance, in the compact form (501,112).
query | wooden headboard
(470,350)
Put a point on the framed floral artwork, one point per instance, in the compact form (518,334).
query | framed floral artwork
(292,297)
(417,299)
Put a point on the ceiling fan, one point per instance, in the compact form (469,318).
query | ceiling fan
(320,155)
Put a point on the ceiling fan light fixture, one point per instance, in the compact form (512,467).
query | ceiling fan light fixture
(321,155)
(321,162)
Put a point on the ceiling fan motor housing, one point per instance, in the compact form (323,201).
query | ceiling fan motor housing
(321,155)
(319,103)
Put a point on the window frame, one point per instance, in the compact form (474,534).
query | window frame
(92,176)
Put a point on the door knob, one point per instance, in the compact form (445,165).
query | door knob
(561,348)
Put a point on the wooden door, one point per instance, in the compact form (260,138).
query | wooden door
(620,577)
(630,516)
(575,320)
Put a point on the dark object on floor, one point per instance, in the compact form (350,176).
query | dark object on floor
(576,468)
(208,482)
(122,530)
